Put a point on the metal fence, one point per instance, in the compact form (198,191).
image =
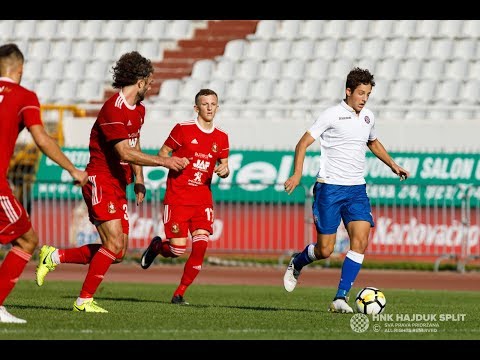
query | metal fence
(436,222)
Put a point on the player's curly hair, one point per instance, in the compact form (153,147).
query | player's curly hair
(130,68)
(359,76)
(204,92)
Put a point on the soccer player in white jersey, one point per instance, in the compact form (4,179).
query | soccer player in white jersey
(345,130)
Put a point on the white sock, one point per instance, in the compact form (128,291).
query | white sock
(80,300)
(55,257)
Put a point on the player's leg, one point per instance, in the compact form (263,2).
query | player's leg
(176,230)
(358,220)
(326,215)
(113,248)
(15,228)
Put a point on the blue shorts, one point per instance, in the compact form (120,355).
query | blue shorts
(332,203)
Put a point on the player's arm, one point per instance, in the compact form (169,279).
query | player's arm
(221,169)
(50,148)
(165,151)
(377,148)
(134,156)
(139,186)
(300,150)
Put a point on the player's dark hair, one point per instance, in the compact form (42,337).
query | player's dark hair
(11,51)
(204,92)
(359,76)
(130,68)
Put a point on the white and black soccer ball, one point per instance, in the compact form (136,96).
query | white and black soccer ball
(370,300)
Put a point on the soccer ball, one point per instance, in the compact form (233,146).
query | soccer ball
(370,301)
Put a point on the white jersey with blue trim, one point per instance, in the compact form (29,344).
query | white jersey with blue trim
(343,138)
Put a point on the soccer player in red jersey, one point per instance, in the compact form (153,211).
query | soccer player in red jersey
(188,203)
(116,160)
(20,108)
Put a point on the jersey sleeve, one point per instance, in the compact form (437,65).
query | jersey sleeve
(112,124)
(30,111)
(225,149)
(373,133)
(175,139)
(320,125)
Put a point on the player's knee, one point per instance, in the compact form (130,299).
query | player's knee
(323,252)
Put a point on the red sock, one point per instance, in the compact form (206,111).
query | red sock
(99,265)
(173,251)
(80,255)
(11,269)
(193,264)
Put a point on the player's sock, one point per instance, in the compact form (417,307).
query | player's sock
(350,268)
(99,265)
(194,263)
(11,269)
(307,256)
(171,250)
(80,255)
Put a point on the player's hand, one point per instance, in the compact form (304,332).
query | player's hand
(222,170)
(140,191)
(401,172)
(80,177)
(176,163)
(291,183)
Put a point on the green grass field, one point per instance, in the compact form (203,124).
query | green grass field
(143,312)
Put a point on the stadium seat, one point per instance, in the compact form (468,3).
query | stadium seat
(219,86)
(302,49)
(419,48)
(410,68)
(335,29)
(68,29)
(431,68)
(46,29)
(404,28)
(133,29)
(224,68)
(284,91)
(248,69)
(154,29)
(380,29)
(280,49)
(53,69)
(66,92)
(325,49)
(6,29)
(358,28)
(123,46)
(317,69)
(104,50)
(82,49)
(464,49)
(349,48)
(469,92)
(470,29)
(427,28)
(151,49)
(237,91)
(266,30)
(312,29)
(74,69)
(202,69)
(271,69)
(177,29)
(294,69)
(112,29)
(341,67)
(89,90)
(188,89)
(61,49)
(39,49)
(441,48)
(169,91)
(423,92)
(234,49)
(290,30)
(372,47)
(25,29)
(396,48)
(256,49)
(447,91)
(45,89)
(399,92)
(456,69)
(450,28)
(97,69)
(90,29)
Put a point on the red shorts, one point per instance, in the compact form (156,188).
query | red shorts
(105,201)
(178,220)
(14,220)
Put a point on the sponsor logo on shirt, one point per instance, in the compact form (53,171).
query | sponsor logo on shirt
(344,118)
(367,119)
(194,141)
(111,208)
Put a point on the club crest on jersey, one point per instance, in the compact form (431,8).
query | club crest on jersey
(175,228)
(111,208)
(367,119)
(214,147)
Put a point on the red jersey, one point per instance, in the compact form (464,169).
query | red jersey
(117,120)
(19,108)
(203,148)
